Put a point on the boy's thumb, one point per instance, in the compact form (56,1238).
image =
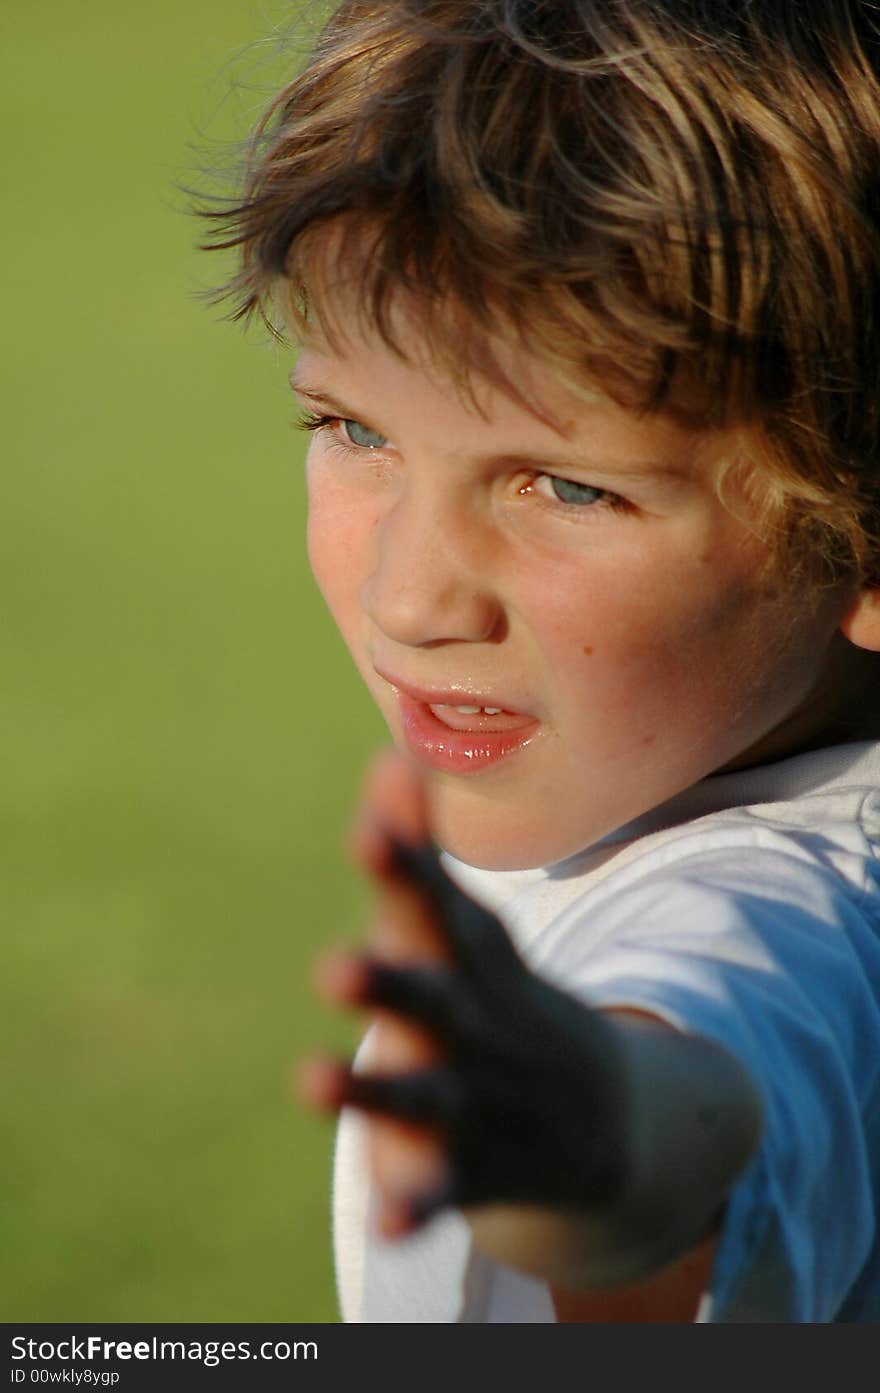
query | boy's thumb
(393,805)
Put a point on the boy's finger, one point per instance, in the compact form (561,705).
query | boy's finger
(411,1171)
(475,936)
(422,1207)
(421,911)
(394,808)
(409,1164)
(405,1214)
(433,1097)
(320,1082)
(405,1159)
(341,977)
(405,926)
(398,1043)
(393,803)
(423,995)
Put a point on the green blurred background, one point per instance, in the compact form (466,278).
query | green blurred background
(182,732)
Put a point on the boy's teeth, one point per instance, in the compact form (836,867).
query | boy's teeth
(478,720)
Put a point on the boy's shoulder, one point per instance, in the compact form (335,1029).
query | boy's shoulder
(761,880)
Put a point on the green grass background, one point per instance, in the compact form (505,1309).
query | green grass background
(182,731)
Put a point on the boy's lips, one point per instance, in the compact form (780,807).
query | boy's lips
(445,731)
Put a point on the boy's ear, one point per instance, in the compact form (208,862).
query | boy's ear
(861,623)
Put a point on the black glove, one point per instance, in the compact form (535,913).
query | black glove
(527,1096)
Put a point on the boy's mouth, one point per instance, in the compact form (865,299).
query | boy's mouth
(460,707)
(459,732)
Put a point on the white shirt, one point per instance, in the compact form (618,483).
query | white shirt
(745,910)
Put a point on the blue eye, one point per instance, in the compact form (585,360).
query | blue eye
(567,491)
(362,436)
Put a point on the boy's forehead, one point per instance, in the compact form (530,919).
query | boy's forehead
(492,374)
(506,378)
(442,340)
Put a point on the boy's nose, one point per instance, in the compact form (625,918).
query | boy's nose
(430,582)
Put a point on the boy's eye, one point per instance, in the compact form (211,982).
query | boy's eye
(567,490)
(362,436)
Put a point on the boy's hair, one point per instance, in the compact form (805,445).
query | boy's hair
(677,200)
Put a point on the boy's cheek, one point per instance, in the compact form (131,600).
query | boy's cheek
(337,542)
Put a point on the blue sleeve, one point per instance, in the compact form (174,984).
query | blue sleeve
(778,960)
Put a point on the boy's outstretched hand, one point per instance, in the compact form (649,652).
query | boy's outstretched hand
(487,1085)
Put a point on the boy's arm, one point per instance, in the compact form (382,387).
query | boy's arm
(687,1119)
(590,1149)
(690,1120)
(671,1296)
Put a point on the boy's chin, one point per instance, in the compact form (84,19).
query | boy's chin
(492,838)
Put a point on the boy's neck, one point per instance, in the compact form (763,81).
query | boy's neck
(843,707)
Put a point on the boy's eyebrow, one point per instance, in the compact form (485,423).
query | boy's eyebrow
(317,395)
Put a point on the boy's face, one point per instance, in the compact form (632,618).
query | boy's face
(581,575)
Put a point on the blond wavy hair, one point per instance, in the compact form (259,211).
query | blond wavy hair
(673,199)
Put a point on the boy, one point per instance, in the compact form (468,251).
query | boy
(588,294)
